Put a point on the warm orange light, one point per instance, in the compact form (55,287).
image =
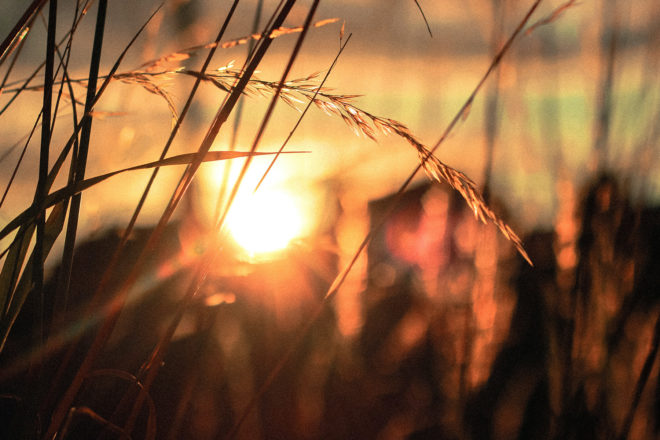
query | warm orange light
(266,221)
(284,208)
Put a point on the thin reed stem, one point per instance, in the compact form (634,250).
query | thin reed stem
(641,381)
(237,116)
(10,42)
(40,196)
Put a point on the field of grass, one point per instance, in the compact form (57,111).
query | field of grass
(208,232)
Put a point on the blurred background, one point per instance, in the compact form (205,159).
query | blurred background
(440,330)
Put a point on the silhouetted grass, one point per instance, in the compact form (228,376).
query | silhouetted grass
(158,333)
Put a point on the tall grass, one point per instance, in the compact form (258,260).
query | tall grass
(202,351)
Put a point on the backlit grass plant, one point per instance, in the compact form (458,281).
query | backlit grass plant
(54,344)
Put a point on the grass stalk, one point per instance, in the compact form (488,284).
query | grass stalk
(20,159)
(641,381)
(10,42)
(12,63)
(237,115)
(80,159)
(40,196)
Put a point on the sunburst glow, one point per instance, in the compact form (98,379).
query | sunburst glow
(266,221)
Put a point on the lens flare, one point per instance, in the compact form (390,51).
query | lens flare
(266,221)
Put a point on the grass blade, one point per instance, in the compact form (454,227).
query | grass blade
(79,160)
(62,194)
(62,291)
(12,266)
(421,11)
(20,160)
(641,381)
(16,33)
(38,254)
(53,228)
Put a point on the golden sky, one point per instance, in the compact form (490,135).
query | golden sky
(400,71)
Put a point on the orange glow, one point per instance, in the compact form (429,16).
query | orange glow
(220,298)
(265,222)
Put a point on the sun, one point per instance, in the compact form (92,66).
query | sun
(266,221)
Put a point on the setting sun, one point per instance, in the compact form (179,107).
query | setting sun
(266,221)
